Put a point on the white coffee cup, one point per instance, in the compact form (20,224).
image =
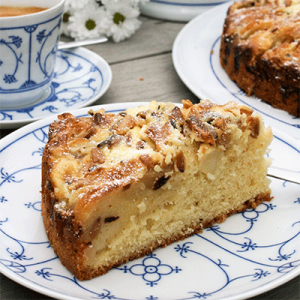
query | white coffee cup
(28,46)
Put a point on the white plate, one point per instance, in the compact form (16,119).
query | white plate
(177,10)
(250,253)
(81,77)
(196,60)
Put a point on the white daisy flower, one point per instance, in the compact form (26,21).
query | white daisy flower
(83,19)
(78,4)
(121,20)
(67,5)
(64,28)
(137,2)
(106,2)
(86,23)
(126,2)
(70,7)
(99,2)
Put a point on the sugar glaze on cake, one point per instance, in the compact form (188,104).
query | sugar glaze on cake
(117,186)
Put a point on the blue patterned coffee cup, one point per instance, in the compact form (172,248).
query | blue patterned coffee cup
(28,46)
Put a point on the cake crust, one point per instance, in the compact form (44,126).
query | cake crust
(260,51)
(108,179)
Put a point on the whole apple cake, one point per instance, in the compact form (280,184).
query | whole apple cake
(260,50)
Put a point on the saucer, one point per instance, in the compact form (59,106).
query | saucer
(177,10)
(80,78)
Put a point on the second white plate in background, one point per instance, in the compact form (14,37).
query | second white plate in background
(196,60)
(177,10)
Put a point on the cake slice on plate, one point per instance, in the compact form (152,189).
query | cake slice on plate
(117,186)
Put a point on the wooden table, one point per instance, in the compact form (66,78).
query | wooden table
(143,71)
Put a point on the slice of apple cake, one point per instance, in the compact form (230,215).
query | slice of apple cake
(117,186)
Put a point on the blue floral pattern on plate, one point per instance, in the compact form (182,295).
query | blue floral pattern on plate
(80,78)
(248,254)
(208,80)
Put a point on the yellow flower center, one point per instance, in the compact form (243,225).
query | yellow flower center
(90,24)
(66,17)
(119,18)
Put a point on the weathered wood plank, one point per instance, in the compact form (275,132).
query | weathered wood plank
(154,37)
(147,79)
(9,290)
